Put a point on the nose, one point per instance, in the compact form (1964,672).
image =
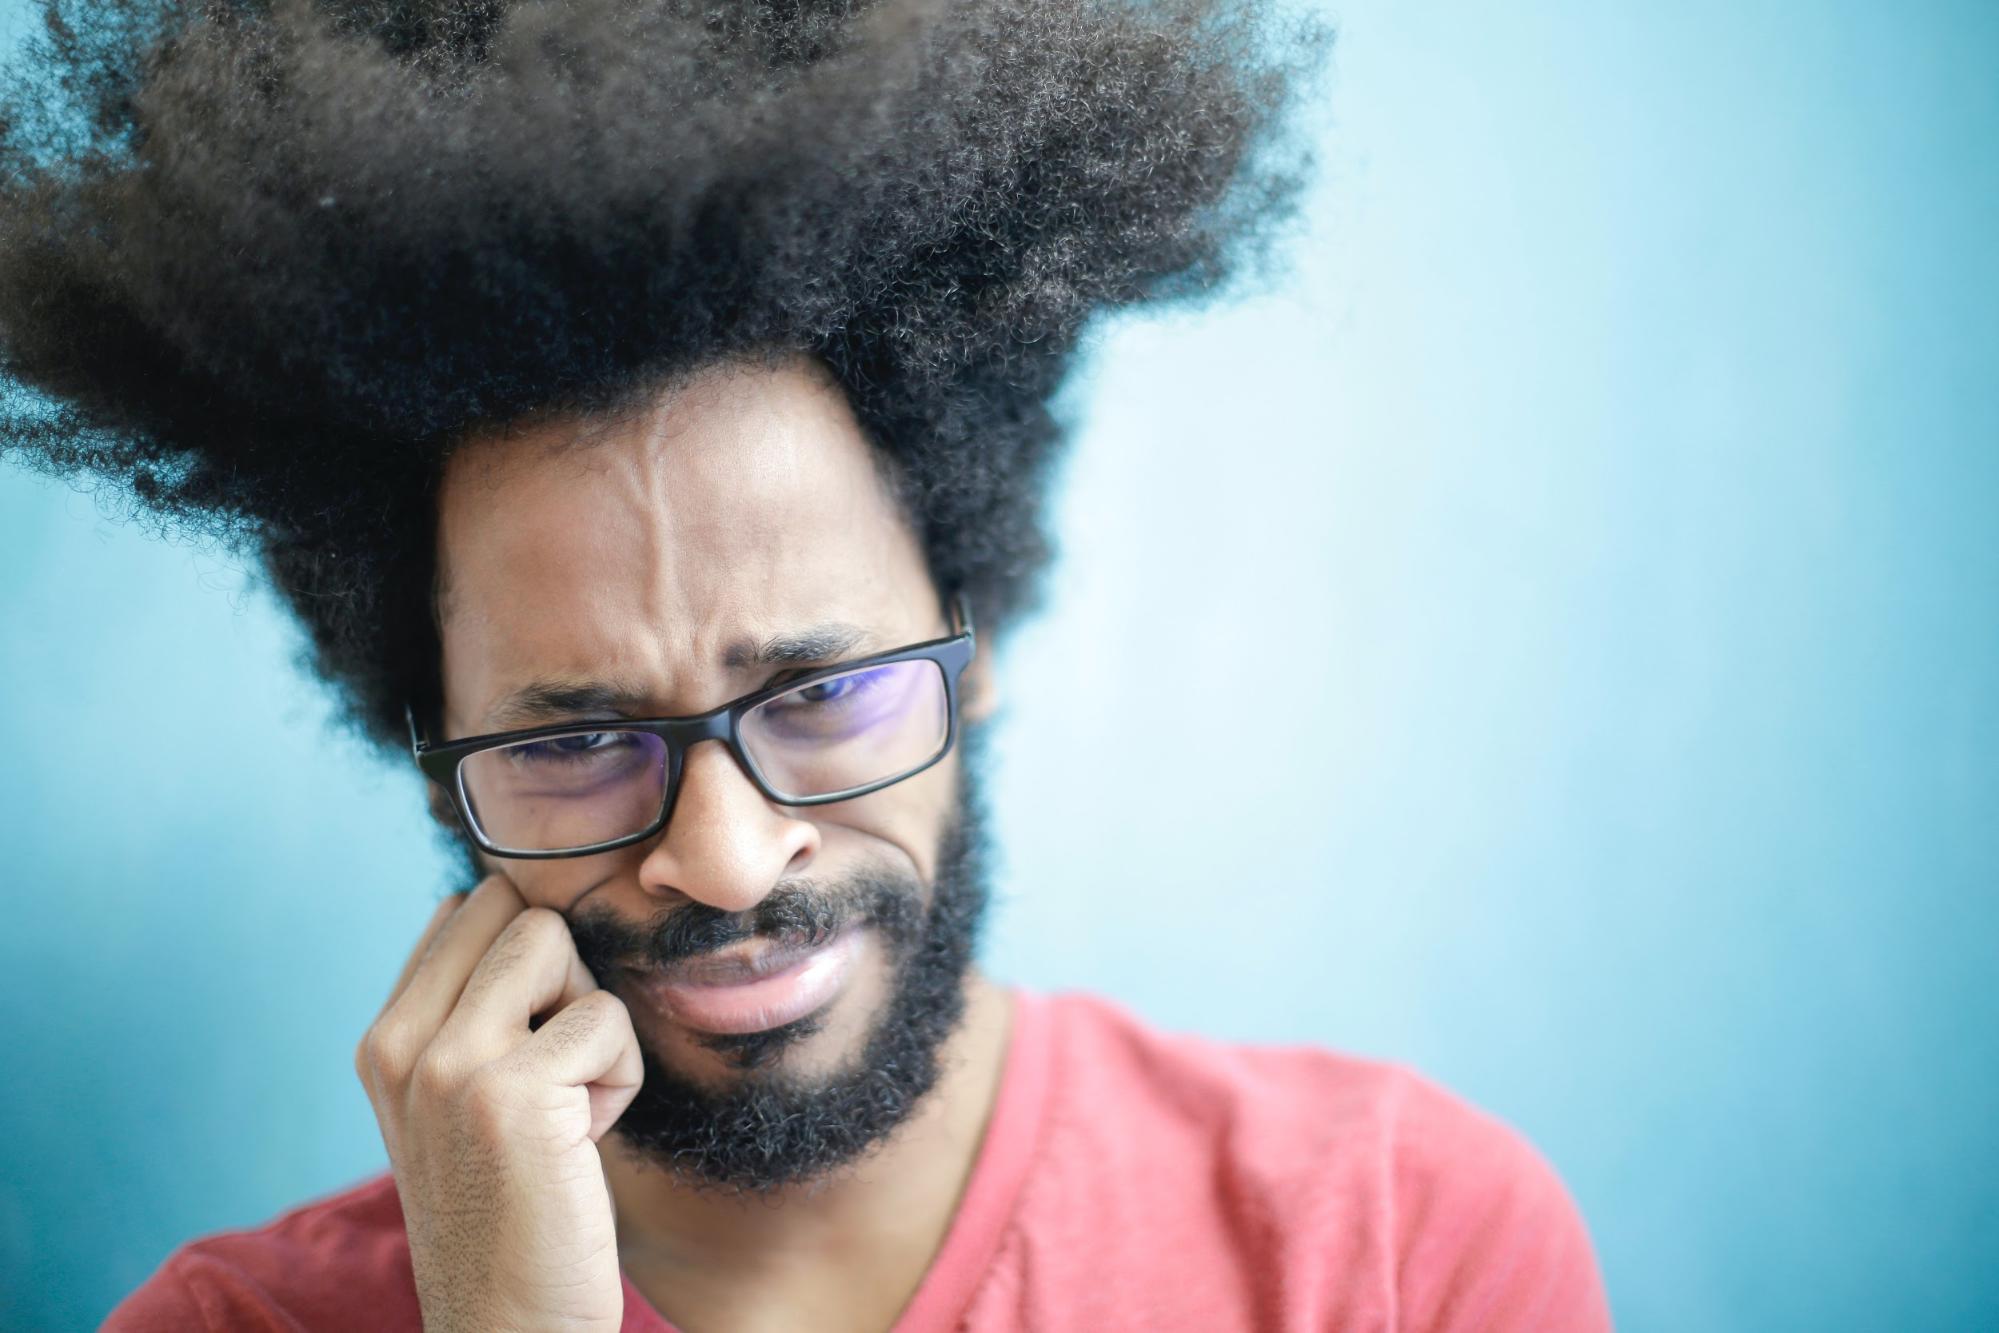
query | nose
(725,843)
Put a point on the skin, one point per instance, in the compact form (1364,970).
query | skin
(745,505)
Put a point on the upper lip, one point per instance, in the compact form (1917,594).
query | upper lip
(740,963)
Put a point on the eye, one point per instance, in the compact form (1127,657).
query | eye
(826,691)
(593,740)
(584,745)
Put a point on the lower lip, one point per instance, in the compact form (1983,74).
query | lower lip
(768,1001)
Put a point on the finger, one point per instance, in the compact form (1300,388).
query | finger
(532,968)
(424,941)
(440,976)
(589,1044)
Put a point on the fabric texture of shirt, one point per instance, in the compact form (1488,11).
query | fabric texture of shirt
(1129,1178)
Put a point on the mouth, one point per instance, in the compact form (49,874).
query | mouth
(755,986)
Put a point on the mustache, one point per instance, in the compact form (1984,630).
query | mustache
(796,913)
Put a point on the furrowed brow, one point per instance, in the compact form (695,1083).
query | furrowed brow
(807,647)
(544,700)
(552,699)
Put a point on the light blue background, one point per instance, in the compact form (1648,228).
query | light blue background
(1604,513)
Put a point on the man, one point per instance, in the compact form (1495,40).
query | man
(644,408)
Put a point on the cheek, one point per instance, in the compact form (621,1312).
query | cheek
(906,822)
(559,884)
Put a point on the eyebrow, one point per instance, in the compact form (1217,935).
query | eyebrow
(821,643)
(552,697)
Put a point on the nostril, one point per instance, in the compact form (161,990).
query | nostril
(801,859)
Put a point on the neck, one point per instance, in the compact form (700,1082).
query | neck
(867,1234)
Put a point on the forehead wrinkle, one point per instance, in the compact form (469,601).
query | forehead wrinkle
(778,450)
(658,545)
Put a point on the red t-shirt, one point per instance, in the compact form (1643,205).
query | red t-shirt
(1129,1179)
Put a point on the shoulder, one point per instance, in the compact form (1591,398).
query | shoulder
(325,1263)
(1359,1175)
(1489,1237)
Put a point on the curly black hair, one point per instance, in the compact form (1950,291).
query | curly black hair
(265,263)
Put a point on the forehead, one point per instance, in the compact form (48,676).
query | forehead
(744,504)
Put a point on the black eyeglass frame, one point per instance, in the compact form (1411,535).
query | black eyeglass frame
(442,763)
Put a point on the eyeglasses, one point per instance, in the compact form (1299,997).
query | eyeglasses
(576,788)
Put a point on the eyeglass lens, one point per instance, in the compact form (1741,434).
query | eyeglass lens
(835,734)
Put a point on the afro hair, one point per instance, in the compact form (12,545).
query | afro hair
(264,263)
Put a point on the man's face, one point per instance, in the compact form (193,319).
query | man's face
(682,558)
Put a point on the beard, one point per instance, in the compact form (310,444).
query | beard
(768,1127)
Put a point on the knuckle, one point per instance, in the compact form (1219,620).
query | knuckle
(619,1019)
(384,1053)
(433,1078)
(607,1008)
(587,1014)
(526,935)
(564,1033)
(540,928)
(585,1006)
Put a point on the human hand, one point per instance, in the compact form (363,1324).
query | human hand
(492,1123)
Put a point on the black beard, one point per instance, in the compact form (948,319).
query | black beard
(770,1129)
